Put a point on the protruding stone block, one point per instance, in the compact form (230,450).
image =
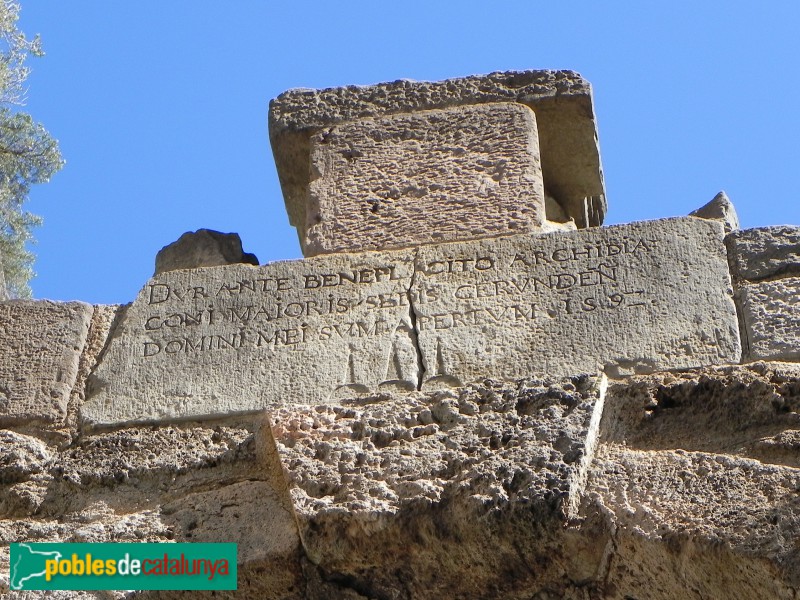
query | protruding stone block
(771,315)
(764,252)
(434,472)
(40,346)
(439,175)
(624,299)
(203,248)
(562,101)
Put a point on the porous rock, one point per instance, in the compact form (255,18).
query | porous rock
(24,462)
(698,525)
(687,489)
(750,411)
(771,315)
(261,522)
(203,248)
(220,482)
(562,101)
(439,175)
(697,473)
(40,346)
(440,478)
(765,252)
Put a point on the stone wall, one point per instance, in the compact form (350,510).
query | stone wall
(595,413)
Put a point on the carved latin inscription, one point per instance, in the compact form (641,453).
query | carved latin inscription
(239,338)
(264,312)
(625,299)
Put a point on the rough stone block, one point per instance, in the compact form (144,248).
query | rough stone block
(719,208)
(432,473)
(624,299)
(765,252)
(21,456)
(440,175)
(771,315)
(746,410)
(24,462)
(203,248)
(221,340)
(562,101)
(40,346)
(222,482)
(720,526)
(698,472)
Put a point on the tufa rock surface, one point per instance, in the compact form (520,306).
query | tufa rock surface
(771,313)
(188,483)
(765,252)
(697,473)
(765,263)
(203,248)
(441,495)
(438,175)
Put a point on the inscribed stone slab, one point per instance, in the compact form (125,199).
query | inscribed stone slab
(764,252)
(40,346)
(626,299)
(455,174)
(214,341)
(221,340)
(771,314)
(562,101)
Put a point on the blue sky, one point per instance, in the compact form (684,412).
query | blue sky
(161,109)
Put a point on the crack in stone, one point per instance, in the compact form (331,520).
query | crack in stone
(412,315)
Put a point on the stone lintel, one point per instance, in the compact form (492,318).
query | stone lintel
(220,340)
(562,101)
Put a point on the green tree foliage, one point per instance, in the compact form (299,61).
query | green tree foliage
(28,154)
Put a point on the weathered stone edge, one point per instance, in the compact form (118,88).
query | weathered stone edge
(374,100)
